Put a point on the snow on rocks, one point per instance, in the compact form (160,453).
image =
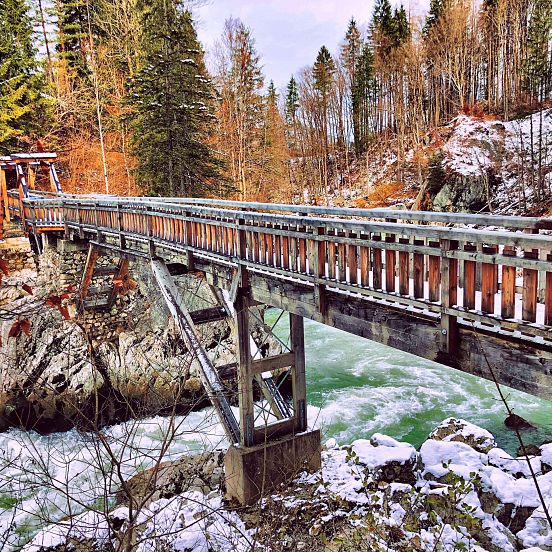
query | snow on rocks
(190,521)
(455,429)
(459,492)
(546,457)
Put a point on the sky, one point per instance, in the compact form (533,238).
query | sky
(288,33)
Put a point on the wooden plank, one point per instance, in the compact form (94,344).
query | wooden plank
(468,282)
(377,264)
(352,261)
(390,265)
(488,284)
(285,251)
(341,262)
(332,259)
(269,250)
(404,264)
(434,274)
(508,287)
(548,296)
(449,330)
(88,272)
(530,289)
(269,364)
(302,255)
(419,271)
(364,261)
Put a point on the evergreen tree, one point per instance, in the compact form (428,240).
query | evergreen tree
(276,185)
(292,101)
(363,94)
(171,98)
(323,73)
(350,54)
(23,107)
(538,66)
(73,35)
(436,8)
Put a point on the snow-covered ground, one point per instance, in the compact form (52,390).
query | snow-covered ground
(511,150)
(459,492)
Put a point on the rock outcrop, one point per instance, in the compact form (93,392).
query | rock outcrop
(455,493)
(97,367)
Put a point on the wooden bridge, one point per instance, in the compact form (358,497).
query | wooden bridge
(473,292)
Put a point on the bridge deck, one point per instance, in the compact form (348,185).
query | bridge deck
(427,283)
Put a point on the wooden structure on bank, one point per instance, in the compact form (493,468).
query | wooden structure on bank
(18,174)
(470,291)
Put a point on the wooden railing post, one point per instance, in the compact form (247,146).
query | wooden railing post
(319,269)
(449,283)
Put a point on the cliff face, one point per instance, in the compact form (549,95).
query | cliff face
(491,165)
(95,368)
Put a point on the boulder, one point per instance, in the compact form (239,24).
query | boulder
(386,459)
(455,429)
(196,472)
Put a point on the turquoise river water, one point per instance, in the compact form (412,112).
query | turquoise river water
(356,387)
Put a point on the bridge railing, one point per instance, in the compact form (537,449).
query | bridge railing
(492,277)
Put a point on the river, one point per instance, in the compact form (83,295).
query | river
(355,388)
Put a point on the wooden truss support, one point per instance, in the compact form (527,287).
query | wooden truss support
(209,376)
(91,259)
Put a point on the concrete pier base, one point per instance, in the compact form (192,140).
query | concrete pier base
(251,472)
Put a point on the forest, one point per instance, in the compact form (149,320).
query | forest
(125,93)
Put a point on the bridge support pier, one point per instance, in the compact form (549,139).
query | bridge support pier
(252,472)
(274,442)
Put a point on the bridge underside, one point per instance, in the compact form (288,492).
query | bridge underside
(515,360)
(480,351)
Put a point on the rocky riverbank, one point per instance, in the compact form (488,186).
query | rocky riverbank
(459,491)
(60,368)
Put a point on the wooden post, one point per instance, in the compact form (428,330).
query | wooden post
(434,274)
(449,330)
(91,259)
(390,265)
(332,250)
(377,264)
(530,288)
(352,261)
(297,339)
(245,373)
(364,260)
(508,295)
(404,261)
(469,279)
(548,295)
(319,266)
(488,282)
(4,190)
(419,273)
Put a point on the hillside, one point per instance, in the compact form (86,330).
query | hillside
(475,163)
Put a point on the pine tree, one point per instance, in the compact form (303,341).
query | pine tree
(538,66)
(363,96)
(23,107)
(436,8)
(292,101)
(350,54)
(73,31)
(171,98)
(323,73)
(275,185)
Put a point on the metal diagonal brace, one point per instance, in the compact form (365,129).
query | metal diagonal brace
(209,376)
